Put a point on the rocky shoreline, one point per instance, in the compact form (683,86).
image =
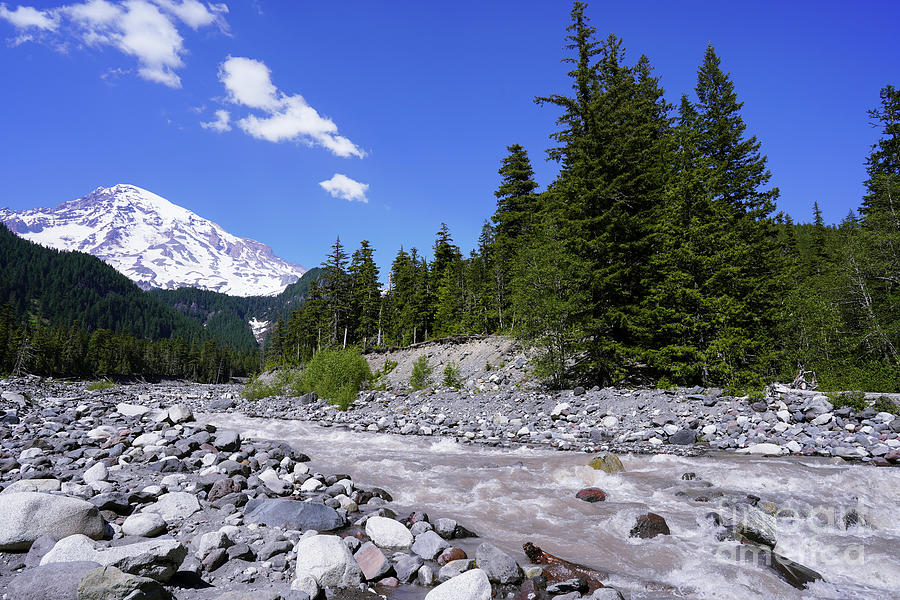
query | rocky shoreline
(121,493)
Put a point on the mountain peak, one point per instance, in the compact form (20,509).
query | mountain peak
(156,243)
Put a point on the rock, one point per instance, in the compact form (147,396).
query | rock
(683,437)
(425,576)
(815,406)
(58,581)
(560,410)
(33,485)
(451,554)
(454,568)
(573,586)
(429,544)
(174,506)
(227,441)
(213,540)
(499,566)
(608,463)
(293,514)
(757,527)
(609,421)
(471,585)
(157,559)
(144,525)
(406,567)
(606,593)
(305,584)
(105,583)
(328,560)
(445,528)
(649,525)
(822,419)
(794,573)
(372,561)
(388,533)
(759,407)
(131,410)
(578,391)
(591,494)
(766,449)
(39,548)
(26,516)
(179,413)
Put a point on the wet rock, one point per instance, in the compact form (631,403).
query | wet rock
(556,569)
(388,533)
(429,544)
(293,514)
(648,526)
(606,594)
(425,576)
(570,585)
(328,560)
(26,516)
(58,581)
(372,561)
(109,582)
(157,559)
(757,527)
(406,567)
(451,554)
(471,585)
(608,463)
(445,528)
(499,566)
(591,494)
(794,573)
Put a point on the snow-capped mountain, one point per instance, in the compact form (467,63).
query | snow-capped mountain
(156,243)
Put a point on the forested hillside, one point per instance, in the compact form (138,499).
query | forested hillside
(655,255)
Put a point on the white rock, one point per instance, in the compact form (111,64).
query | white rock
(559,410)
(609,421)
(131,410)
(36,485)
(26,516)
(212,540)
(709,429)
(781,427)
(175,506)
(793,446)
(157,559)
(147,439)
(763,449)
(822,419)
(179,413)
(471,585)
(670,429)
(784,415)
(327,559)
(306,583)
(144,525)
(388,533)
(30,453)
(95,474)
(312,485)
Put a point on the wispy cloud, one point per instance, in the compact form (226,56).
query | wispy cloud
(221,124)
(282,117)
(148,30)
(341,186)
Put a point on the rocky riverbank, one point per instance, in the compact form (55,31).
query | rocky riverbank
(120,493)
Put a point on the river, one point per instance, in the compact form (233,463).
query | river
(509,496)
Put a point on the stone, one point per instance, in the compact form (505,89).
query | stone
(293,514)
(766,449)
(305,584)
(39,548)
(406,567)
(425,576)
(451,554)
(221,488)
(131,410)
(591,494)
(683,437)
(648,526)
(471,585)
(429,544)
(328,560)
(445,528)
(499,566)
(104,583)
(388,533)
(606,593)
(58,581)
(609,421)
(213,541)
(157,559)
(175,506)
(454,568)
(372,561)
(179,413)
(26,516)
(608,463)
(33,485)
(144,525)
(757,527)
(96,473)
(227,441)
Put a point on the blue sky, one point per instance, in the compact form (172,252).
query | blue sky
(409,105)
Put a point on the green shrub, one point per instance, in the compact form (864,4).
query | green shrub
(885,404)
(421,374)
(379,378)
(268,384)
(487,366)
(665,384)
(103,384)
(336,375)
(854,400)
(451,376)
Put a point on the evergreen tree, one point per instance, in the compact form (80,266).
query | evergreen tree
(335,289)
(365,294)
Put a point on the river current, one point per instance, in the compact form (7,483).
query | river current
(510,496)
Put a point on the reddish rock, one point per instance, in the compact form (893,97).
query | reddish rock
(223,487)
(893,456)
(372,561)
(389,582)
(591,494)
(559,570)
(451,554)
(649,526)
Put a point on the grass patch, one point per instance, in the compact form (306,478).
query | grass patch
(102,384)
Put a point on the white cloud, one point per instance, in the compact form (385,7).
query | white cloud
(341,186)
(221,124)
(248,82)
(145,29)
(24,17)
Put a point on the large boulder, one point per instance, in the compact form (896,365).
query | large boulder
(499,566)
(429,544)
(293,514)
(57,581)
(26,516)
(471,585)
(105,583)
(327,559)
(33,485)
(157,559)
(372,561)
(388,533)
(757,527)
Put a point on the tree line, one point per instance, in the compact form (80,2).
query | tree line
(656,254)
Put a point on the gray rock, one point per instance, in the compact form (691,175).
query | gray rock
(26,516)
(425,576)
(174,506)
(683,437)
(105,583)
(33,485)
(606,593)
(471,585)
(227,441)
(445,528)
(429,544)
(58,581)
(757,527)
(293,514)
(388,533)
(328,560)
(148,524)
(157,559)
(406,567)
(39,548)
(499,566)
(179,413)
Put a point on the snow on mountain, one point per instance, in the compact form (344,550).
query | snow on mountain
(156,243)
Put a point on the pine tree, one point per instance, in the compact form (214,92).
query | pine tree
(365,294)
(336,292)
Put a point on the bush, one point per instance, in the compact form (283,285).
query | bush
(451,376)
(103,384)
(337,375)
(855,400)
(885,404)
(421,374)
